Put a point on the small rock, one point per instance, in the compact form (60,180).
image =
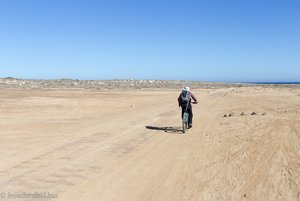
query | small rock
(242,113)
(224,115)
(253,113)
(230,115)
(263,113)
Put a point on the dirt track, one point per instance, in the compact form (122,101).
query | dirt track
(127,145)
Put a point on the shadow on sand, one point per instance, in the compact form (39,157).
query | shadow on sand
(168,129)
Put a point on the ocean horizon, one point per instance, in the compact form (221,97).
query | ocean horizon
(271,82)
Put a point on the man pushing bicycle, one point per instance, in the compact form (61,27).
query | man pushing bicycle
(184,101)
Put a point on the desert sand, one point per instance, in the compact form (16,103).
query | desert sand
(127,145)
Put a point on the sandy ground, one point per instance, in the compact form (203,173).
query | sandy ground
(84,145)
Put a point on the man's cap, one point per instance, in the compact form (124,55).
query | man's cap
(186,88)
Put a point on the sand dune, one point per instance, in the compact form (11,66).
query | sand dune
(76,144)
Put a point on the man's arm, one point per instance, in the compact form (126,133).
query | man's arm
(179,100)
(194,97)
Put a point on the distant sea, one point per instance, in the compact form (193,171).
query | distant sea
(272,82)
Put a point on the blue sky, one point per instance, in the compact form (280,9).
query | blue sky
(212,40)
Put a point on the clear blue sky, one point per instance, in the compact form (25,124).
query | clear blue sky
(212,40)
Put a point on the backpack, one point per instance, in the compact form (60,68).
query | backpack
(185,97)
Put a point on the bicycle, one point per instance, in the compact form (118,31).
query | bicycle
(185,118)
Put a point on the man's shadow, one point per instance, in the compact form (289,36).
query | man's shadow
(168,129)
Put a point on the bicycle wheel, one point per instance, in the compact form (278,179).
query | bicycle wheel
(185,121)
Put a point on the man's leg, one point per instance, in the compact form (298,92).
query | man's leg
(190,111)
(182,110)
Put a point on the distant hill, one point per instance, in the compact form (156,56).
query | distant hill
(10,82)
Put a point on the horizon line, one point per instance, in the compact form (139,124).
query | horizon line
(134,79)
